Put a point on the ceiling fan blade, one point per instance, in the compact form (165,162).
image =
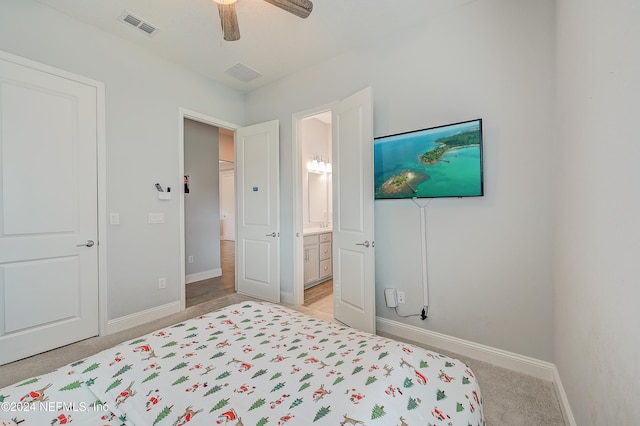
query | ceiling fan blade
(301,8)
(229,21)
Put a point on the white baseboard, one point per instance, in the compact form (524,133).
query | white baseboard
(569,420)
(512,361)
(205,275)
(128,321)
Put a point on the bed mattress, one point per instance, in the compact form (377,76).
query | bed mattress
(252,363)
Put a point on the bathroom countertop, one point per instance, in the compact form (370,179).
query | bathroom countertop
(316,230)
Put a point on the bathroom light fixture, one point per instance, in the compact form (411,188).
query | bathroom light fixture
(319,166)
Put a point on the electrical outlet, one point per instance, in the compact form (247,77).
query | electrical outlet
(162,283)
(190,260)
(401,297)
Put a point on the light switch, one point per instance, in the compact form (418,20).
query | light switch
(156,217)
(114,218)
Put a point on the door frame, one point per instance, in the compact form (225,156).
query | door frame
(101,154)
(101,170)
(297,298)
(212,121)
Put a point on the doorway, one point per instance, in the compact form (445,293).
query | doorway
(207,208)
(208,211)
(315,206)
(352,230)
(257,250)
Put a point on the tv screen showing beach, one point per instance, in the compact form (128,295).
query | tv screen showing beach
(444,161)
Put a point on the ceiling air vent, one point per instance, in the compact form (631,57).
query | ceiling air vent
(144,26)
(243,72)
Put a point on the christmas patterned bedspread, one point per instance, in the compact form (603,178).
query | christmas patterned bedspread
(252,363)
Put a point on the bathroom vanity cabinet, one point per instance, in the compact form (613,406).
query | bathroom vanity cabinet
(318,265)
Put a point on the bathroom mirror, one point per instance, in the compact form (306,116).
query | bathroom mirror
(318,197)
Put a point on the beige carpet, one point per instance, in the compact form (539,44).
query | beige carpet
(509,398)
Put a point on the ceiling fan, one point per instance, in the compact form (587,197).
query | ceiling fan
(229,19)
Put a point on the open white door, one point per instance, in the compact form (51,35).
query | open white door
(353,231)
(258,211)
(48,209)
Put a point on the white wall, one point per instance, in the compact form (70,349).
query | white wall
(597,344)
(490,258)
(143,94)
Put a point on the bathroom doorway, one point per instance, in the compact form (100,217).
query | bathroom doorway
(315,207)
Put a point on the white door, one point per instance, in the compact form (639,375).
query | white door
(353,228)
(258,211)
(227,206)
(48,210)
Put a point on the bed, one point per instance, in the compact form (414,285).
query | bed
(252,363)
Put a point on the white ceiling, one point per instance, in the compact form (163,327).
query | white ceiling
(273,41)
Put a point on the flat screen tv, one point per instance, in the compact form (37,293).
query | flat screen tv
(438,162)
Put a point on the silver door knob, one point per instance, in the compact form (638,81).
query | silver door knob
(273,234)
(88,243)
(366,244)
